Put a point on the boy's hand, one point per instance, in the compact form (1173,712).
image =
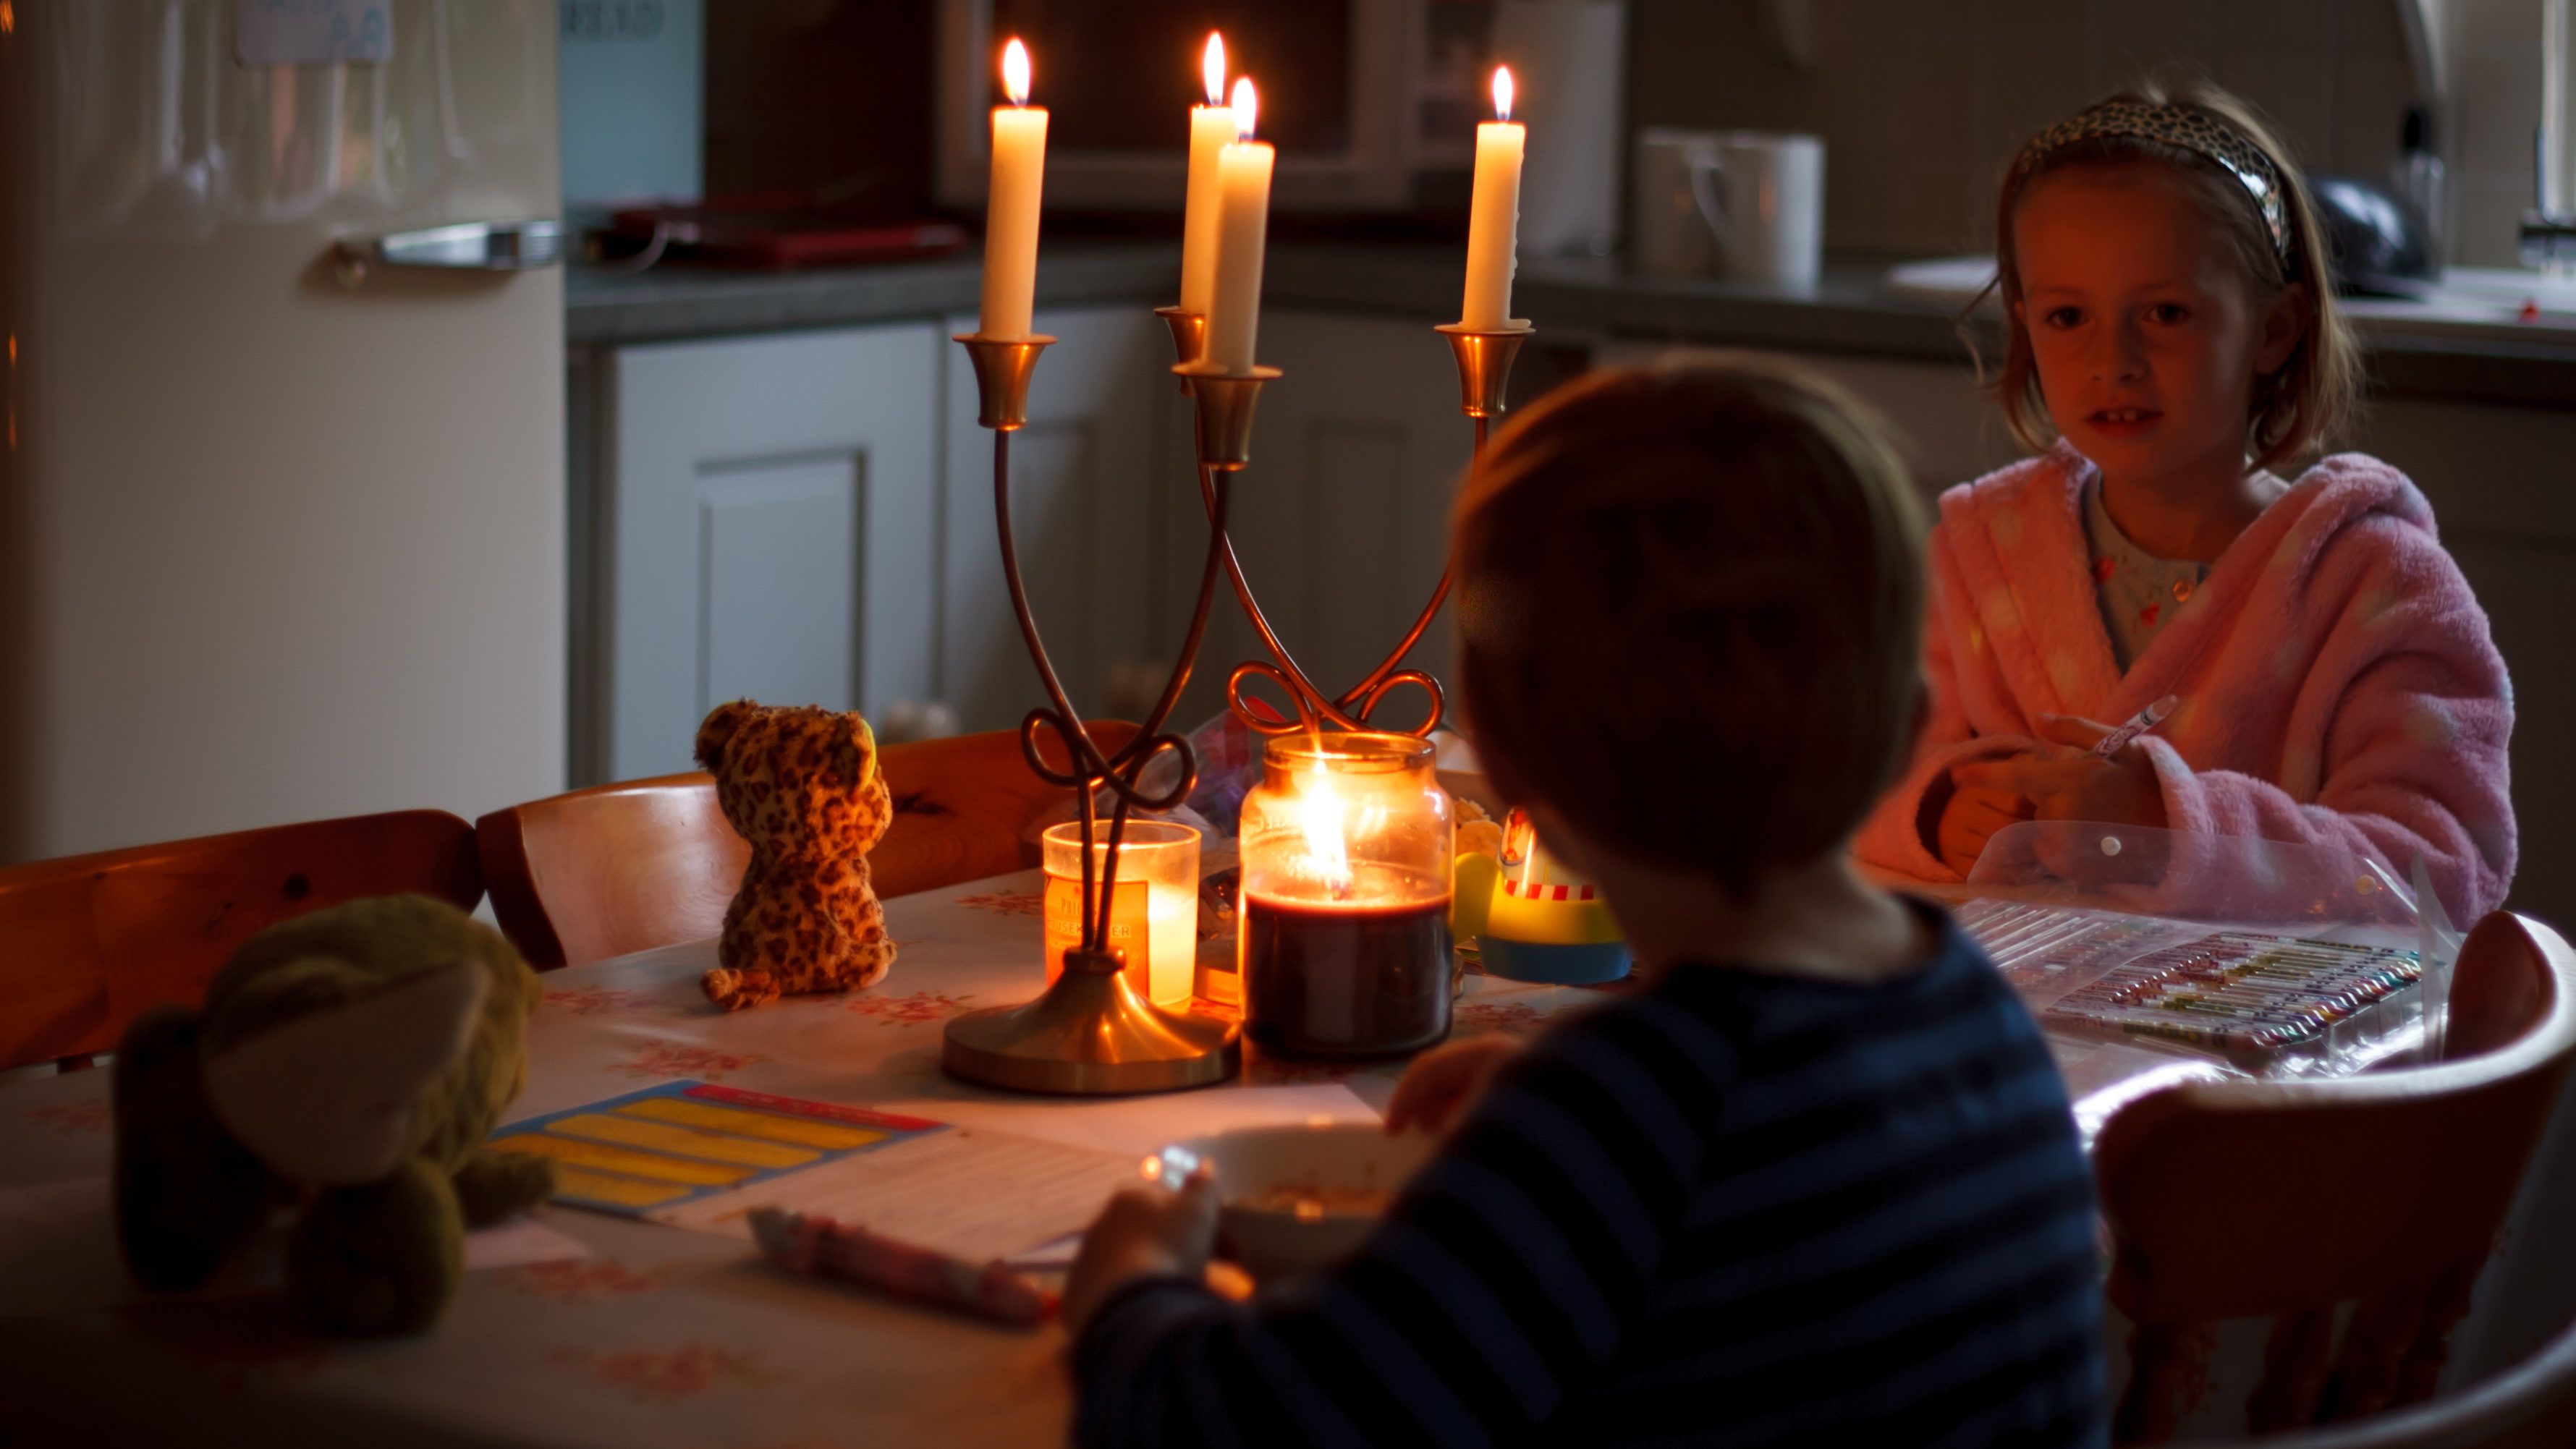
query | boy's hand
(1972,816)
(1143,1232)
(1444,1081)
(2120,790)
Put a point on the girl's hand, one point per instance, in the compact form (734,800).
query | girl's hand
(2120,790)
(1442,1082)
(1143,1232)
(1971,818)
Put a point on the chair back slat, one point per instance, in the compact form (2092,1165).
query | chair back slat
(2237,1200)
(601,872)
(88,942)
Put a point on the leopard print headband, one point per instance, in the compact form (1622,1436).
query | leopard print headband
(2189,128)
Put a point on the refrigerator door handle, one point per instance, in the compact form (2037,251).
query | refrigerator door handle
(483,246)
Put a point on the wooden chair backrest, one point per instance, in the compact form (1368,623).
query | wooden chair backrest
(87,942)
(2531,1405)
(627,867)
(2287,1199)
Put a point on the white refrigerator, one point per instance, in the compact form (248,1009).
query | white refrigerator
(274,546)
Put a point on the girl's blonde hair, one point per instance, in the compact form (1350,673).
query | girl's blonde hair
(2296,409)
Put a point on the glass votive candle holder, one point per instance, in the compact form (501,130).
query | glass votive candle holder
(1343,929)
(1153,912)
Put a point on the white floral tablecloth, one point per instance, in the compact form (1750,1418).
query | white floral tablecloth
(654,1336)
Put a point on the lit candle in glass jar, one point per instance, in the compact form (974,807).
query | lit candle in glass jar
(1153,914)
(1343,933)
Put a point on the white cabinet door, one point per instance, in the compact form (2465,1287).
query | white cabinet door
(1085,474)
(1342,519)
(772,531)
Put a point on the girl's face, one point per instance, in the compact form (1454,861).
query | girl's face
(2146,331)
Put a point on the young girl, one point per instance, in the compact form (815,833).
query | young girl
(2173,325)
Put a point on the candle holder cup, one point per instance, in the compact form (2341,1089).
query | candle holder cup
(1484,367)
(1089,1032)
(1225,401)
(1002,369)
(1189,337)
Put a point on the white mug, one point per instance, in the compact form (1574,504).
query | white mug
(1746,205)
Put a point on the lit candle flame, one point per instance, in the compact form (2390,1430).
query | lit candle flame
(1015,72)
(1212,69)
(1319,811)
(1502,93)
(1246,104)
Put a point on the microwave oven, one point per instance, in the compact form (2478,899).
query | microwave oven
(1363,98)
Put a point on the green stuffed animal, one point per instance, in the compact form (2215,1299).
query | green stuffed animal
(349,1064)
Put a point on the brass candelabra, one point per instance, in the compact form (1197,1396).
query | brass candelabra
(1090,1032)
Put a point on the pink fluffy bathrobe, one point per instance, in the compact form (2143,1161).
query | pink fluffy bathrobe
(2336,683)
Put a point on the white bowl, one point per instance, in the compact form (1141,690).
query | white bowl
(1349,1156)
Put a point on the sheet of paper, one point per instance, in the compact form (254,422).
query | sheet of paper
(1135,1126)
(964,1191)
(656,1149)
(702,1156)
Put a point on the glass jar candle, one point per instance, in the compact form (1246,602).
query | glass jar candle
(1153,914)
(1342,936)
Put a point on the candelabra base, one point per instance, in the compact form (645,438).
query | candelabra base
(1091,1035)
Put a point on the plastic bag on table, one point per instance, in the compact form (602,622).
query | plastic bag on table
(2279,959)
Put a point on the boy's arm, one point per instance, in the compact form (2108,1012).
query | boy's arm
(1510,1268)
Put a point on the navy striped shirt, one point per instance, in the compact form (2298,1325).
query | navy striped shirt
(1733,1208)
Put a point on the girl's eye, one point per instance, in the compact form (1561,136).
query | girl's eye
(2168,312)
(2063,316)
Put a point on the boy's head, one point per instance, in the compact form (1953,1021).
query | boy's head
(2170,293)
(1690,604)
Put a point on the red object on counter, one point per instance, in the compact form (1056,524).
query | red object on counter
(781,231)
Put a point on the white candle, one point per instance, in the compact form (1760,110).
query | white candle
(1494,217)
(1011,205)
(1211,130)
(1243,221)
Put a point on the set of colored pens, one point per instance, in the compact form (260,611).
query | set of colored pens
(2245,995)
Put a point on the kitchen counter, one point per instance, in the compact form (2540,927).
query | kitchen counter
(1851,311)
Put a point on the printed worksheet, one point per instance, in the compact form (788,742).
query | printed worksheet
(701,1156)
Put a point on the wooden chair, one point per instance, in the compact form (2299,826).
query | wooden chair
(88,941)
(627,867)
(2529,1406)
(2287,1199)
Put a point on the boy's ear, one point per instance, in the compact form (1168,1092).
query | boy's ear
(2285,322)
(718,731)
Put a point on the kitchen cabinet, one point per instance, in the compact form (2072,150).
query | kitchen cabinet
(1342,519)
(766,525)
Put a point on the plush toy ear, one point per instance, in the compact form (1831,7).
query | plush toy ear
(187,1194)
(856,757)
(331,1095)
(718,732)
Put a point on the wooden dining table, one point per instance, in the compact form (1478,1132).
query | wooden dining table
(578,1328)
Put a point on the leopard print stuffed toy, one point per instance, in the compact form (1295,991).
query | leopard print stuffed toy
(802,785)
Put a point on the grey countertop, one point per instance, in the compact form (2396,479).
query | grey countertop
(1850,311)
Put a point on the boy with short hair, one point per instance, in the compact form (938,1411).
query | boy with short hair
(1816,1180)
